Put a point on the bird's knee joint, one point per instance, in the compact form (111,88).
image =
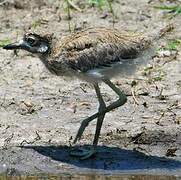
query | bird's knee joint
(84,123)
(123,99)
(102,107)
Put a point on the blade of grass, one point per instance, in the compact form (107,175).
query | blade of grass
(173,44)
(74,6)
(98,3)
(67,9)
(112,11)
(4,42)
(171,9)
(174,10)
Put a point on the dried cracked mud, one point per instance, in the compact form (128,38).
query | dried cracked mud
(41,113)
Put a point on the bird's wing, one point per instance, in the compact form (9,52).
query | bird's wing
(100,47)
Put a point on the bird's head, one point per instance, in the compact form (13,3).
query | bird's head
(33,43)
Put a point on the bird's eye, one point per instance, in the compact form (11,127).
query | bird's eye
(31,41)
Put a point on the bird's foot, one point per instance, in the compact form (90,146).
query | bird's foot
(83,153)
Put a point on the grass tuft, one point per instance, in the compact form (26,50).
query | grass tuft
(4,42)
(175,10)
(98,3)
(173,44)
(104,3)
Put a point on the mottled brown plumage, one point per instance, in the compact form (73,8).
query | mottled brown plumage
(93,48)
(95,54)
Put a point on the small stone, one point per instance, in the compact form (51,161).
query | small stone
(72,107)
(28,103)
(164,53)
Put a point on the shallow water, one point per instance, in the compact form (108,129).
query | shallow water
(90,177)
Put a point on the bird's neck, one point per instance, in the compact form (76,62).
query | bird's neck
(50,59)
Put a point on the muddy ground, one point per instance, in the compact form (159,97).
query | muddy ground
(41,113)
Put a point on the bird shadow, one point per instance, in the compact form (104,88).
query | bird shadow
(108,158)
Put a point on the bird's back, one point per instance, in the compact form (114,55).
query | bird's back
(99,49)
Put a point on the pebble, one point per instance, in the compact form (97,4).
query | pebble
(164,53)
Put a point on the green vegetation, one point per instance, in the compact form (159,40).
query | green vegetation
(101,4)
(175,10)
(98,3)
(159,76)
(104,3)
(67,9)
(173,44)
(4,42)
(154,73)
(69,5)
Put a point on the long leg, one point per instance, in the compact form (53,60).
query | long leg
(100,115)
(122,97)
(102,108)
(85,153)
(122,100)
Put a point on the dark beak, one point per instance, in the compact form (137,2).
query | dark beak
(13,46)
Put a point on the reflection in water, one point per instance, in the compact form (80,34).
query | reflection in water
(89,177)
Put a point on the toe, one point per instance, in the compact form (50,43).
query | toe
(83,153)
(89,154)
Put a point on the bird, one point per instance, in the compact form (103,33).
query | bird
(95,55)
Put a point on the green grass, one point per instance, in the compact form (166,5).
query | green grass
(147,69)
(173,44)
(67,8)
(175,10)
(4,42)
(69,5)
(154,74)
(160,76)
(98,3)
(169,8)
(101,4)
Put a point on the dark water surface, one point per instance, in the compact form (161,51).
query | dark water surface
(108,163)
(90,177)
